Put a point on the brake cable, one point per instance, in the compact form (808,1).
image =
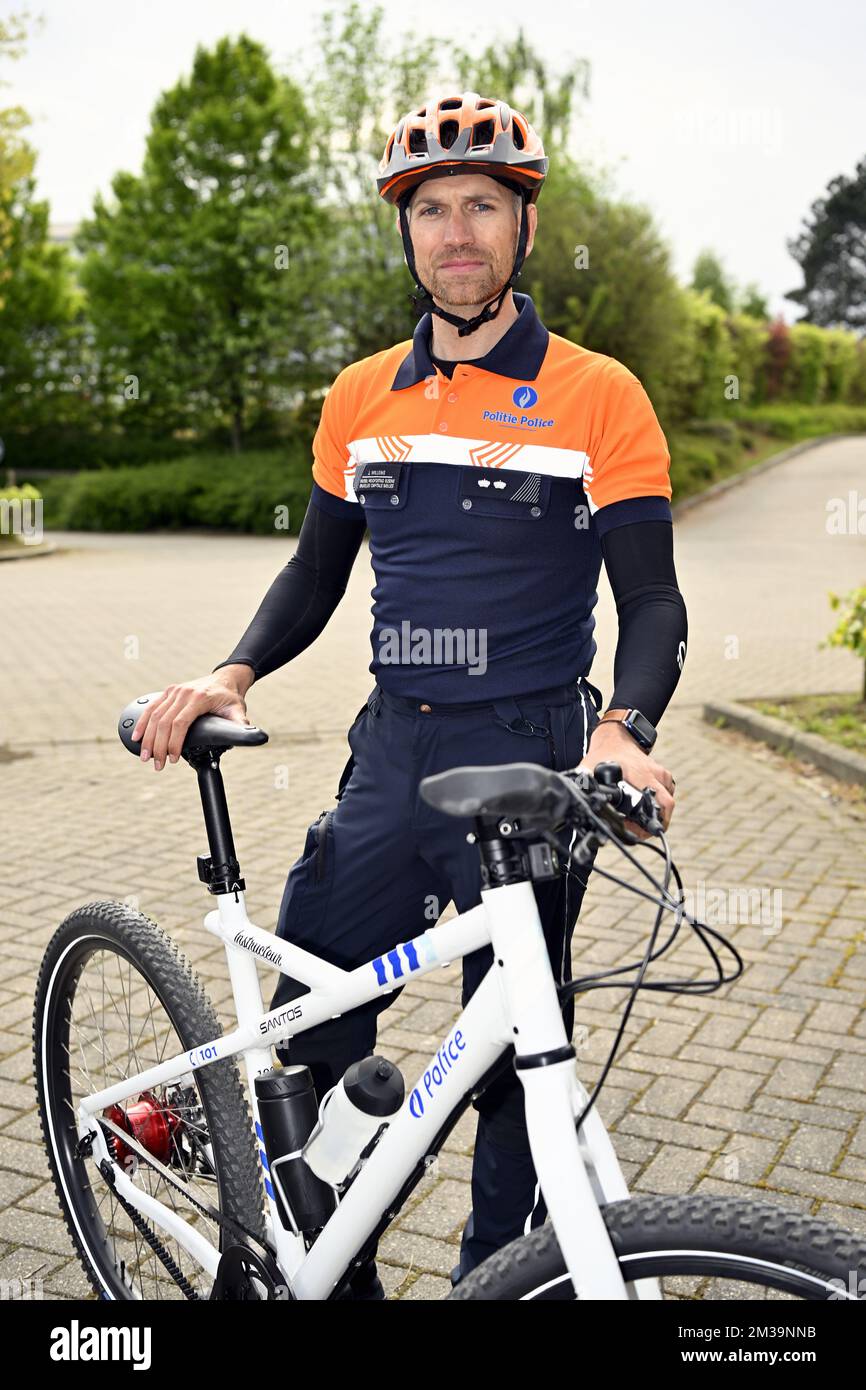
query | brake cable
(602,979)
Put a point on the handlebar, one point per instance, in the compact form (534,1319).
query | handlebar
(616,800)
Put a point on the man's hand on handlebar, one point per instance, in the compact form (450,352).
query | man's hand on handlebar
(611,743)
(163,726)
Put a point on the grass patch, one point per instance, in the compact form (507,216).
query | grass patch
(839,718)
(705,451)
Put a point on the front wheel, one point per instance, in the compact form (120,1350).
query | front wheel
(703,1247)
(113,999)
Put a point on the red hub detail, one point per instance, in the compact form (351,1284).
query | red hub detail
(148,1121)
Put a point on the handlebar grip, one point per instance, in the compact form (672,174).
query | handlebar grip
(626,801)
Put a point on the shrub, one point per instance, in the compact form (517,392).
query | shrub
(806,374)
(238,493)
(850,631)
(16,512)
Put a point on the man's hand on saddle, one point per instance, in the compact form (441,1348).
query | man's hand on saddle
(163,726)
(611,743)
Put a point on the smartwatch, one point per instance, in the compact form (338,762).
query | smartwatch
(640,728)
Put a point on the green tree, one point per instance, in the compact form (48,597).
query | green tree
(753,303)
(830,252)
(40,324)
(39,307)
(16,156)
(196,273)
(708,276)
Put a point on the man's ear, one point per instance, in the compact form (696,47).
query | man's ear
(532,223)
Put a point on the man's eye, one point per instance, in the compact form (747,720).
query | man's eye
(432,208)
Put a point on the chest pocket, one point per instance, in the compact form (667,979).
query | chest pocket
(382,486)
(503,493)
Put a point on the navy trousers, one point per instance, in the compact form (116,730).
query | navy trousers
(382,866)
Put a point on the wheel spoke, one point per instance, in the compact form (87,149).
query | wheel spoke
(115,1028)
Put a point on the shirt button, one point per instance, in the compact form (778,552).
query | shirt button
(452,396)
(443,427)
(424,709)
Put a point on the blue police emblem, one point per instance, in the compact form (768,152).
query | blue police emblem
(524,397)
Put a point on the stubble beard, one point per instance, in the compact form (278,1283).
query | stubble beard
(476,287)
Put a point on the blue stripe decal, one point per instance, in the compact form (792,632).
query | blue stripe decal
(269,1189)
(259,1131)
(263,1156)
(411,955)
(379,967)
(396,964)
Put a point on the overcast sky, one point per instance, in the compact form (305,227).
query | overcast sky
(727,119)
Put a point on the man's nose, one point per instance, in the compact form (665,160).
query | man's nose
(457,228)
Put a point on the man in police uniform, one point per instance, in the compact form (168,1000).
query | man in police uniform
(495,466)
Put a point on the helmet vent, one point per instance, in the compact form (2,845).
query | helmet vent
(448,132)
(517,135)
(417,141)
(482,133)
(452,104)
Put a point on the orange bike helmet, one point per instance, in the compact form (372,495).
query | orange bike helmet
(456,135)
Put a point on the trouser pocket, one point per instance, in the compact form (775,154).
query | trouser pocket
(324,832)
(350,765)
(572,725)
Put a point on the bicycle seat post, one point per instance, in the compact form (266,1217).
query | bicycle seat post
(220,869)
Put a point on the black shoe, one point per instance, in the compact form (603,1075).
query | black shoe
(456,1276)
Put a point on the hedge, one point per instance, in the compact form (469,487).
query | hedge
(260,492)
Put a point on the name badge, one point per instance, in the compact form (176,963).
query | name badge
(378,477)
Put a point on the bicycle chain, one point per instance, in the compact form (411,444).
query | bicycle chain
(234,1227)
(149,1235)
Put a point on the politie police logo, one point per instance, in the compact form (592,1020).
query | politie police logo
(524,397)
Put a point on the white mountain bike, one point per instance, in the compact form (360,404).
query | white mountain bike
(170,1189)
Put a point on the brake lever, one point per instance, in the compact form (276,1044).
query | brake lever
(643,809)
(620,800)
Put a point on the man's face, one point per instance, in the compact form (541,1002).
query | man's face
(464,231)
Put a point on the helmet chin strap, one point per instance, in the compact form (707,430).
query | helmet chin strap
(423,302)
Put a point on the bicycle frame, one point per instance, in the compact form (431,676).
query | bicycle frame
(517,1003)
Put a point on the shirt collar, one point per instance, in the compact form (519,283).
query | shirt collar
(518,354)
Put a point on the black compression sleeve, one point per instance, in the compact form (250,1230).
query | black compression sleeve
(304,594)
(653,627)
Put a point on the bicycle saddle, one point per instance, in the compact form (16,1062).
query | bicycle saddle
(512,789)
(208,731)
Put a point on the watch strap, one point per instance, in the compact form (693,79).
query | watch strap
(625,717)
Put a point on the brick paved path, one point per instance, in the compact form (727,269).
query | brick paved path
(760,1088)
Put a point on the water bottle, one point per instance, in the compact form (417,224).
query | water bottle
(288,1112)
(352,1114)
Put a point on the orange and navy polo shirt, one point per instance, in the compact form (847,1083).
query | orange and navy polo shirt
(485,496)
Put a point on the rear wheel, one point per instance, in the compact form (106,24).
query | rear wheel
(701,1247)
(113,998)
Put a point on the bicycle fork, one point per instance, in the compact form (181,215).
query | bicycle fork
(545,1064)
